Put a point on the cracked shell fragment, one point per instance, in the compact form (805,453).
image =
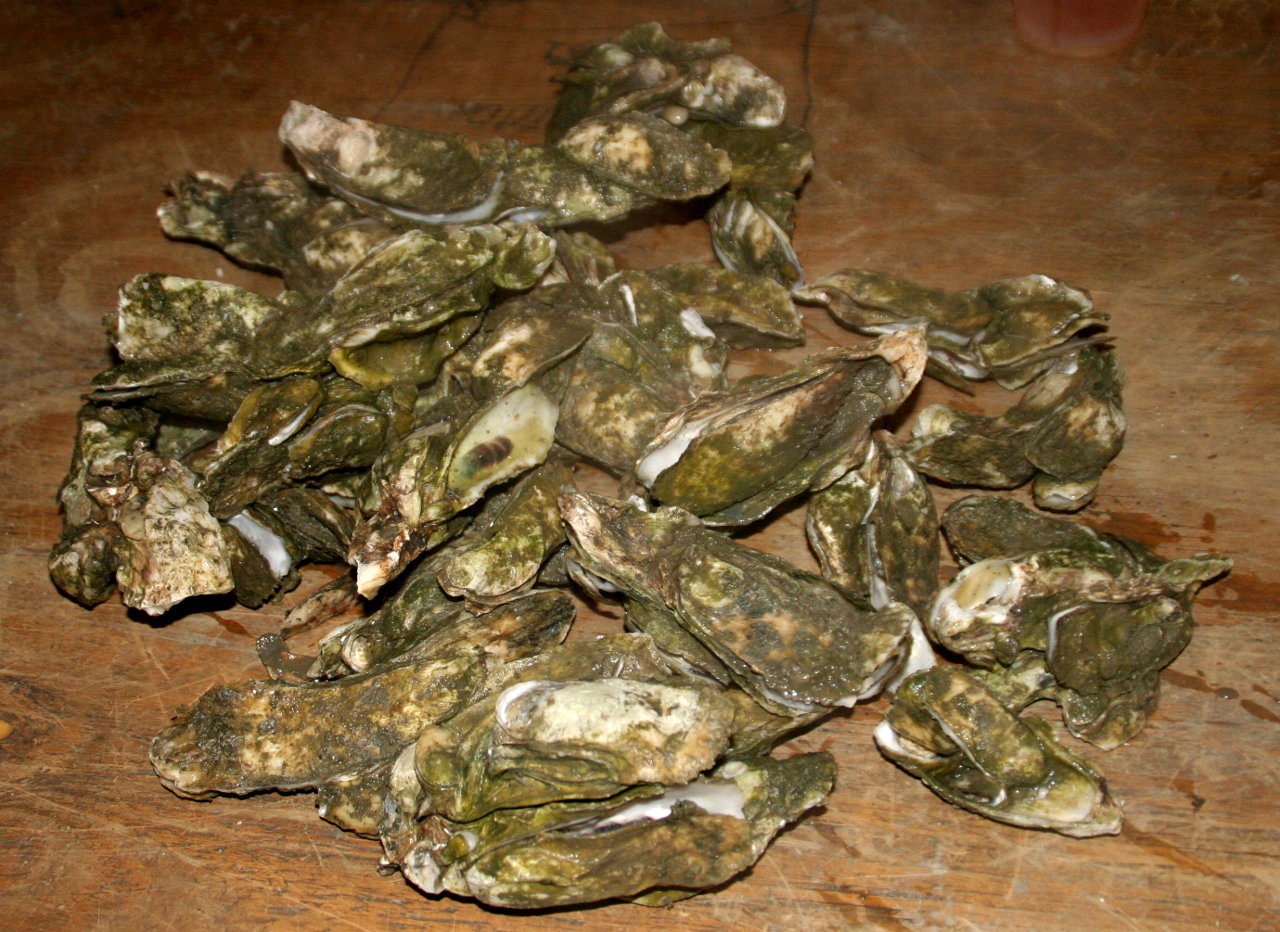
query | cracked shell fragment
(271,734)
(792,640)
(732,457)
(947,730)
(654,847)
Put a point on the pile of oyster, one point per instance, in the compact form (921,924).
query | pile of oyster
(413,405)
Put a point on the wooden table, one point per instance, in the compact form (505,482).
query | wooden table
(947,152)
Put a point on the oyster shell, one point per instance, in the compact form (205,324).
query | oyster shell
(947,730)
(875,530)
(1010,331)
(1064,431)
(270,734)
(646,71)
(792,640)
(1089,621)
(733,457)
(278,222)
(651,845)
(443,468)
(743,310)
(539,741)
(503,559)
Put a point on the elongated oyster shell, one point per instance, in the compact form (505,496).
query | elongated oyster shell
(504,558)
(270,734)
(278,222)
(1010,331)
(651,845)
(445,467)
(790,639)
(539,741)
(733,457)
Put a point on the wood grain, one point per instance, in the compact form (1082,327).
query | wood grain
(946,151)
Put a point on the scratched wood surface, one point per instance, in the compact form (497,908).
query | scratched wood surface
(947,152)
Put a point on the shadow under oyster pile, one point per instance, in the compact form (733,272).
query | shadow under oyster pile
(413,404)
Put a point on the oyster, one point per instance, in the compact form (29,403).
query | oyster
(277,222)
(270,734)
(751,234)
(790,639)
(600,169)
(875,530)
(1010,331)
(652,845)
(1089,621)
(84,560)
(733,457)
(947,730)
(172,547)
(1064,431)
(541,741)
(743,310)
(443,468)
(505,556)
(645,71)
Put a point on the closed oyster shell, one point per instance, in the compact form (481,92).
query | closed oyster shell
(733,457)
(271,734)
(278,222)
(539,741)
(875,530)
(790,639)
(645,70)
(650,845)
(946,729)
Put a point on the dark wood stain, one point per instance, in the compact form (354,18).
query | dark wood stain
(1259,711)
(1157,845)
(832,835)
(1143,528)
(230,624)
(1187,681)
(1186,786)
(1244,592)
